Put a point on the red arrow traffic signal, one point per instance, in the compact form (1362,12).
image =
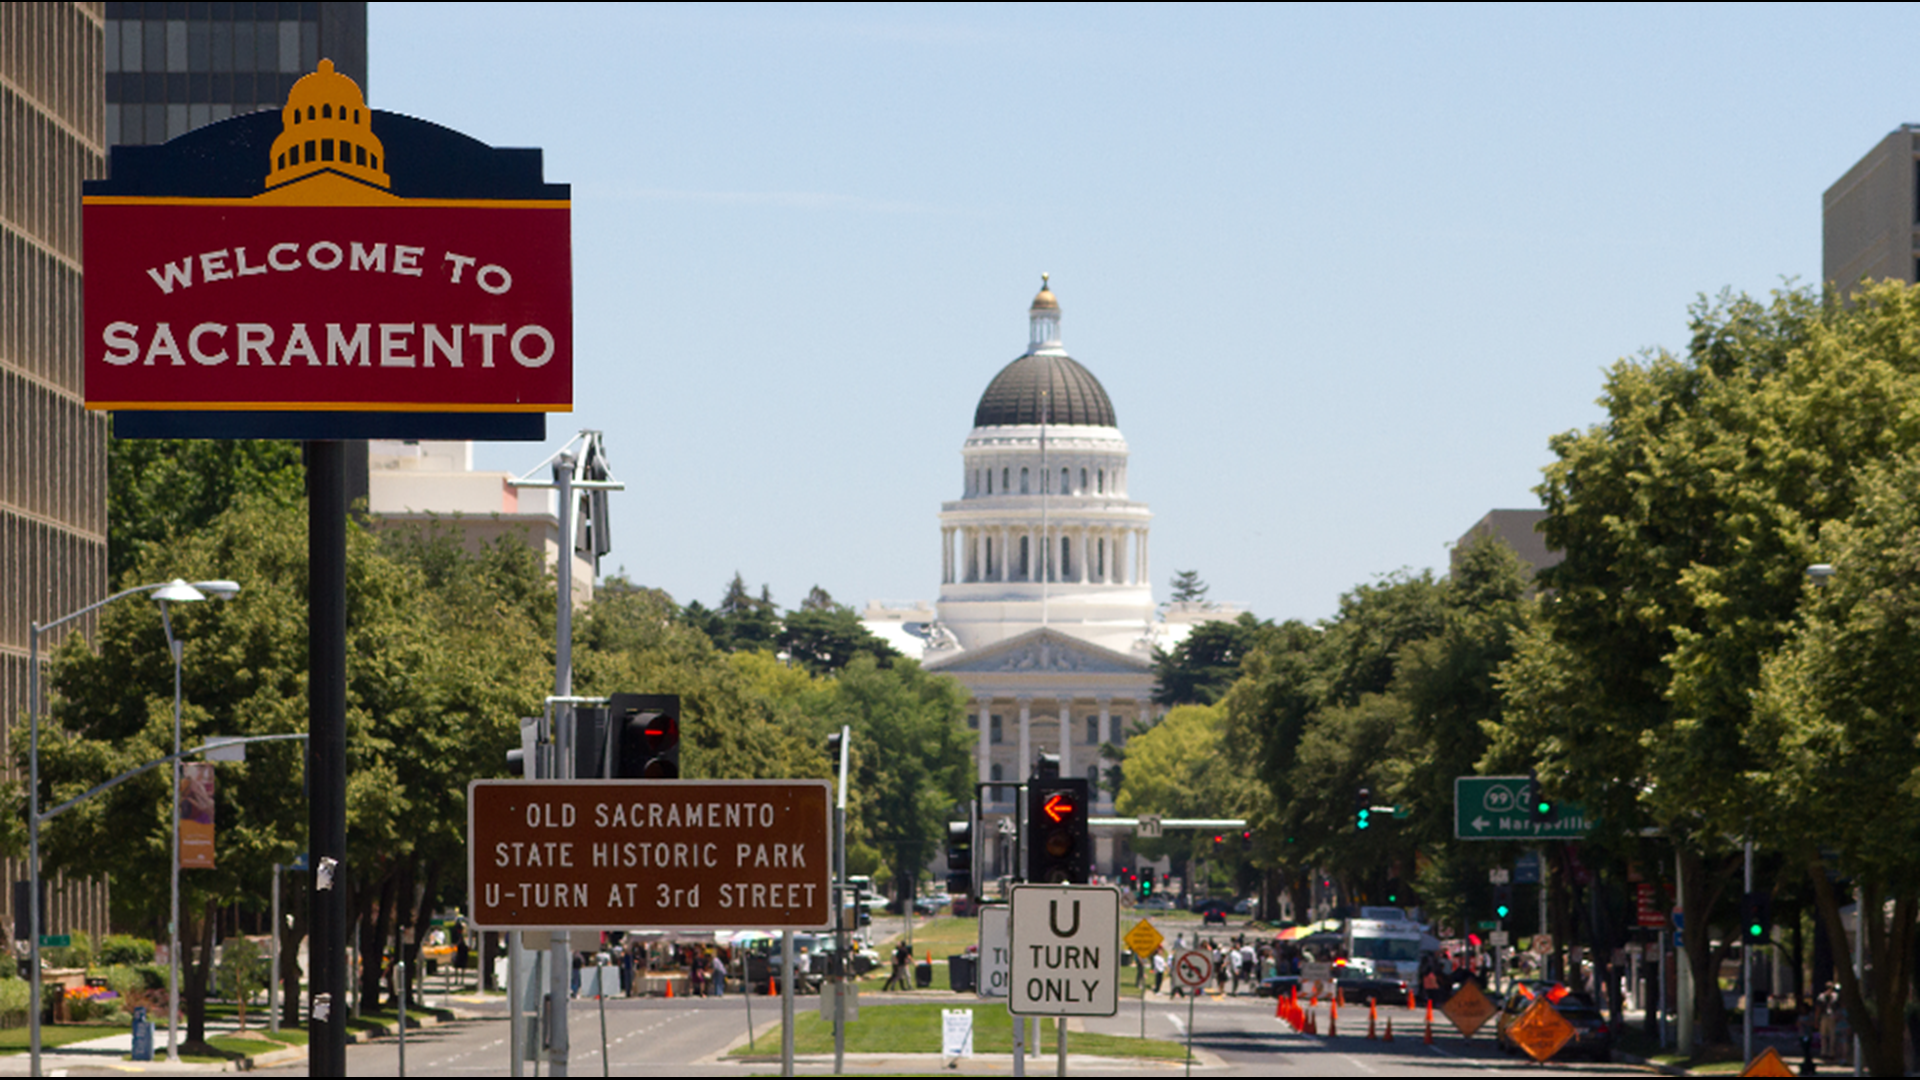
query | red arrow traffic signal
(1058,807)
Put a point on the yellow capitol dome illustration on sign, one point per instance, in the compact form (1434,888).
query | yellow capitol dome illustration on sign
(327,153)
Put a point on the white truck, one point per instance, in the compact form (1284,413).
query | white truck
(1382,960)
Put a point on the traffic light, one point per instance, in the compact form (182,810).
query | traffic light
(523,760)
(1146,885)
(1756,917)
(1363,809)
(960,858)
(1246,840)
(1502,901)
(1539,805)
(1059,851)
(648,729)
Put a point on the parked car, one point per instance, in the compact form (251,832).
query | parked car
(1277,985)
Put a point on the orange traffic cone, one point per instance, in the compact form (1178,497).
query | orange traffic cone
(1410,1004)
(1429,1039)
(1389,1035)
(1373,1017)
(1315,1002)
(772,989)
(1279,1007)
(669,988)
(1333,1019)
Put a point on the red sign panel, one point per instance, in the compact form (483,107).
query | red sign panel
(613,854)
(442,307)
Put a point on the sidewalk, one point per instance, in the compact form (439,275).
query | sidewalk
(111,1051)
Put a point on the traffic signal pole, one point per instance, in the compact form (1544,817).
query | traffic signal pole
(1746,962)
(840,912)
(566,510)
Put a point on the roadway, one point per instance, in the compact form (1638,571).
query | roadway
(1231,1037)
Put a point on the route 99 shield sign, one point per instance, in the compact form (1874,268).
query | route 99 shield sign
(1066,951)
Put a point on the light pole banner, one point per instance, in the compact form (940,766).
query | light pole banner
(196,816)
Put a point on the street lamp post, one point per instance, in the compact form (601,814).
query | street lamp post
(1822,573)
(177,591)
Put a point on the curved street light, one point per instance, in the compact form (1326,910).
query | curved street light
(175,591)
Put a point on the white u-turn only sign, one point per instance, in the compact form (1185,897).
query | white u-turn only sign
(1066,951)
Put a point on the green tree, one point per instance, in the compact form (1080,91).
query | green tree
(827,639)
(911,761)
(1833,742)
(1188,588)
(1179,768)
(1449,683)
(160,489)
(1201,668)
(434,680)
(629,640)
(1687,519)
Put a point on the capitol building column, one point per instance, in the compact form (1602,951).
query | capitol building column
(983,708)
(1106,732)
(1026,741)
(1066,738)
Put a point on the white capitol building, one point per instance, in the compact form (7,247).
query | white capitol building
(1046,608)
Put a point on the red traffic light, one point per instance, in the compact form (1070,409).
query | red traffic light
(663,730)
(1058,806)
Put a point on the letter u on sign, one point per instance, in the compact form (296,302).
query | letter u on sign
(1053,918)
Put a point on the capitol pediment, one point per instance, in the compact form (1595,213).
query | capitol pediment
(1041,652)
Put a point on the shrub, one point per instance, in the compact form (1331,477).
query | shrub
(15,993)
(77,955)
(126,980)
(125,949)
(156,976)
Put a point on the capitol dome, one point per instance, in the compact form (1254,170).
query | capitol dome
(1042,388)
(1044,385)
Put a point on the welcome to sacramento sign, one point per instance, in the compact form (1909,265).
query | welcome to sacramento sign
(328,271)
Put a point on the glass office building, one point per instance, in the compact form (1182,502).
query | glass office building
(173,67)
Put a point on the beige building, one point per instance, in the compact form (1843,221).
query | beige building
(1870,217)
(433,485)
(53,453)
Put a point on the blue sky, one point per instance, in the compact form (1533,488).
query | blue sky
(1343,271)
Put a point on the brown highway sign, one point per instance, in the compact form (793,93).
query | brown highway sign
(685,854)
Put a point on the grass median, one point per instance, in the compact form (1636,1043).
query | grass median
(915,1029)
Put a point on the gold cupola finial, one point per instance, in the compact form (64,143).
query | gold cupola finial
(327,127)
(1044,301)
(1043,319)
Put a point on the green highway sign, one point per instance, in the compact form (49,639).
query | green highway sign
(1494,808)
(56,941)
(1488,924)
